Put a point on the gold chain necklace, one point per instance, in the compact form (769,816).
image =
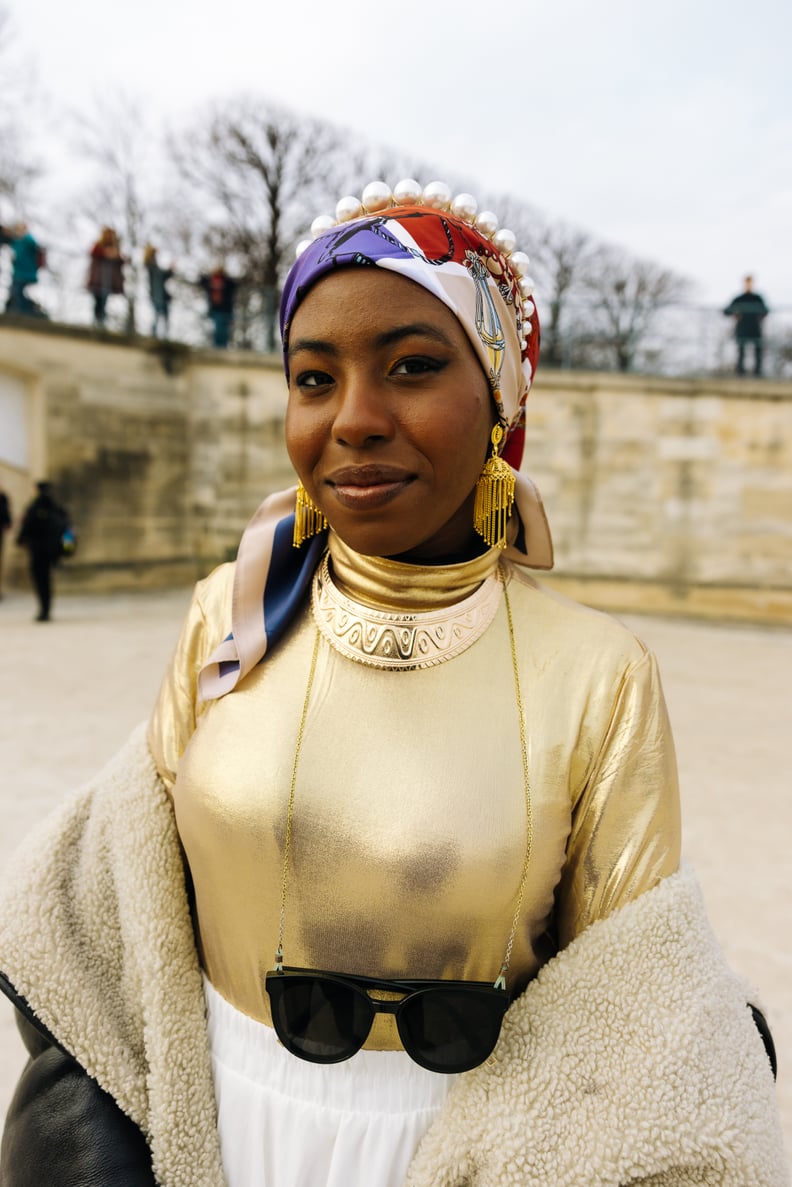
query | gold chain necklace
(500,982)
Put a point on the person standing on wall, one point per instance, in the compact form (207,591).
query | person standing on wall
(28,257)
(105,273)
(220,289)
(159,292)
(42,531)
(749,311)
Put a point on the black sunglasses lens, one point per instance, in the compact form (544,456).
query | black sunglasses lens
(319,1019)
(451,1030)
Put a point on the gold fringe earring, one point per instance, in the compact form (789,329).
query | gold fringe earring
(308,519)
(494,495)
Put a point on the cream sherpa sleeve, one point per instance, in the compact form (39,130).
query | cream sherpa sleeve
(632,1059)
(96,935)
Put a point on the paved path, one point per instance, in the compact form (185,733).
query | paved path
(72,689)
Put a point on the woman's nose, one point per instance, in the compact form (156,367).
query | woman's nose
(362,414)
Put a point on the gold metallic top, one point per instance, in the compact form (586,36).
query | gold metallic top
(409,814)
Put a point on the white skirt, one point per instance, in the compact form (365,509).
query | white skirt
(284,1122)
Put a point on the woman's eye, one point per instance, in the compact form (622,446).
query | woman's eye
(417,366)
(313,379)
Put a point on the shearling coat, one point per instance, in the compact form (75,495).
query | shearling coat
(632,1058)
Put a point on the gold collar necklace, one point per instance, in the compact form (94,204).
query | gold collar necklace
(399,639)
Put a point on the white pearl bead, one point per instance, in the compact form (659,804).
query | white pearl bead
(437,195)
(519,263)
(376,196)
(348,208)
(505,241)
(529,309)
(301,246)
(322,222)
(408,192)
(487,223)
(465,206)
(527,285)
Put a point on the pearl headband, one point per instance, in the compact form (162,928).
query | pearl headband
(377,198)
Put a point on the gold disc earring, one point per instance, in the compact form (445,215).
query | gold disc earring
(308,519)
(494,495)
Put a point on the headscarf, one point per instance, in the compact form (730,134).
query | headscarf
(462,268)
(465,270)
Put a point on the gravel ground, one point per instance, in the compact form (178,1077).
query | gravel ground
(75,687)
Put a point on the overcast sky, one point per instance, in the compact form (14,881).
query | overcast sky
(664,127)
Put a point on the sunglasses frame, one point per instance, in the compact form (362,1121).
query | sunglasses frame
(360,986)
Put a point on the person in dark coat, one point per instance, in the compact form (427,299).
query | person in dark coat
(5,524)
(220,289)
(749,311)
(42,530)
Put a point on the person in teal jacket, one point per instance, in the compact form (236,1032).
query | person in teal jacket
(26,261)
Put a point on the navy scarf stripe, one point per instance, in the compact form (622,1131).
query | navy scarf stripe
(290,574)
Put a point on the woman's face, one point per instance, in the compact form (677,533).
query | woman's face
(389,415)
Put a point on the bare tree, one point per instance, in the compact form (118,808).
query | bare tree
(119,145)
(259,174)
(562,258)
(625,295)
(18,169)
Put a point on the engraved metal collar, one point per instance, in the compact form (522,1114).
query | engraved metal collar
(399,639)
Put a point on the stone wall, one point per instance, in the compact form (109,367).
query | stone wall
(161,454)
(666,495)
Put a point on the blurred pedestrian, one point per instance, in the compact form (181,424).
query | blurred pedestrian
(5,524)
(43,528)
(749,311)
(159,293)
(28,257)
(106,273)
(220,289)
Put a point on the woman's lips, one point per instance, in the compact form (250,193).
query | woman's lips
(367,487)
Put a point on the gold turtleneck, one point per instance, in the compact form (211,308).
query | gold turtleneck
(409,828)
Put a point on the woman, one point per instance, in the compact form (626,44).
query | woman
(409,788)
(105,273)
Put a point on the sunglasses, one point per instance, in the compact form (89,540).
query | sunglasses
(445,1026)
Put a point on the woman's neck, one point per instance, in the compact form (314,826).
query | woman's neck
(408,585)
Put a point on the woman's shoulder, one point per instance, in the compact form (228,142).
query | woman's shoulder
(570,624)
(213,593)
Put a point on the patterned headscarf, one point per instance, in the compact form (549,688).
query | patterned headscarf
(472,277)
(463,269)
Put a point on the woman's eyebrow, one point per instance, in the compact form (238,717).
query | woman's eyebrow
(386,338)
(418,328)
(318,344)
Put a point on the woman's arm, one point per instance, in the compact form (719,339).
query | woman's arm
(176,712)
(626,831)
